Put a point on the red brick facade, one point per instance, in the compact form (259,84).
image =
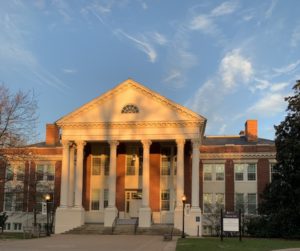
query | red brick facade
(229,185)
(263,176)
(120,189)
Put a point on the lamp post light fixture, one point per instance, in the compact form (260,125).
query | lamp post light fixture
(47,198)
(183,198)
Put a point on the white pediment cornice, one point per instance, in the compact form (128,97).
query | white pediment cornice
(131,125)
(190,115)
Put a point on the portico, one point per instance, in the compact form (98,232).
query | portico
(126,128)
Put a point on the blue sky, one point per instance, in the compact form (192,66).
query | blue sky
(227,60)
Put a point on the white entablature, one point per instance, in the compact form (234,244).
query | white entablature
(131,111)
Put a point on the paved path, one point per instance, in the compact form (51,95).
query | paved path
(90,243)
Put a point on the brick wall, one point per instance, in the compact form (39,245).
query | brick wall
(87,166)
(155,177)
(229,185)
(187,172)
(201,185)
(120,183)
(263,176)
(2,183)
(57,183)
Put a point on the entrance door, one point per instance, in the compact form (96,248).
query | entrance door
(133,203)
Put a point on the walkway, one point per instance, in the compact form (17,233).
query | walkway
(90,243)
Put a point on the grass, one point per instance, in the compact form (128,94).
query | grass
(233,244)
(11,235)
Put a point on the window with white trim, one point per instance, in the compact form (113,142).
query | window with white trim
(251,169)
(207,202)
(245,172)
(95,201)
(239,202)
(207,172)
(213,172)
(96,165)
(213,202)
(130,166)
(165,200)
(166,161)
(273,172)
(251,203)
(105,198)
(15,171)
(45,171)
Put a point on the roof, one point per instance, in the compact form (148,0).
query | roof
(233,140)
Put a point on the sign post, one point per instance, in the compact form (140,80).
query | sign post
(231,222)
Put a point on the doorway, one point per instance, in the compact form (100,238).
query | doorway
(133,202)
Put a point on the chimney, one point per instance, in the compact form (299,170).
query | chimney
(52,134)
(251,130)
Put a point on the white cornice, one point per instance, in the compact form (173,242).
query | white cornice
(130,125)
(245,155)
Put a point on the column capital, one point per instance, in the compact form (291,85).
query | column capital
(196,142)
(80,143)
(66,143)
(180,142)
(146,143)
(113,143)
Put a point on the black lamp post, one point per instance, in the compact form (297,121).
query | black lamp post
(47,198)
(183,198)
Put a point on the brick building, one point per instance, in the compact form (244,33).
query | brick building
(132,153)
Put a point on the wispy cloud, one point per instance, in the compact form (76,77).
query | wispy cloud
(295,38)
(141,43)
(16,57)
(203,23)
(69,71)
(268,106)
(271,8)
(159,38)
(63,9)
(235,68)
(225,8)
(287,69)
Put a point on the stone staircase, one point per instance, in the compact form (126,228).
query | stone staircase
(124,227)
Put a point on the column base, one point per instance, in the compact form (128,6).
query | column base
(110,213)
(68,218)
(145,217)
(193,227)
(178,218)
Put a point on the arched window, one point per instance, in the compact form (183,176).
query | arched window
(130,109)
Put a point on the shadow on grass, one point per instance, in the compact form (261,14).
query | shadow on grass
(233,244)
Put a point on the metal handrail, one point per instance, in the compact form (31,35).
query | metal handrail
(136,225)
(114,223)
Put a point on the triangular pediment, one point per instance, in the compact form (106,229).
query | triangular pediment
(138,103)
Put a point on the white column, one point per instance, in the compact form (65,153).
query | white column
(71,178)
(112,173)
(195,172)
(111,212)
(65,174)
(79,174)
(180,172)
(146,172)
(145,211)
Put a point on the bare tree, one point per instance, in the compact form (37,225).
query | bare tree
(18,117)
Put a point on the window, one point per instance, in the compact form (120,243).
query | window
(130,109)
(96,166)
(13,201)
(166,161)
(95,204)
(239,172)
(9,172)
(45,172)
(219,172)
(105,198)
(251,203)
(106,165)
(130,167)
(7,226)
(273,171)
(251,171)
(220,200)
(213,172)
(140,163)
(165,200)
(207,172)
(239,201)
(207,202)
(17,226)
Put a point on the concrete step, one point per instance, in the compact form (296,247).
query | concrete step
(120,229)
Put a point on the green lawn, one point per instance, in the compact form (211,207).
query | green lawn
(11,235)
(233,244)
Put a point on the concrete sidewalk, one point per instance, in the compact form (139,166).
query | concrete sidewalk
(90,243)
